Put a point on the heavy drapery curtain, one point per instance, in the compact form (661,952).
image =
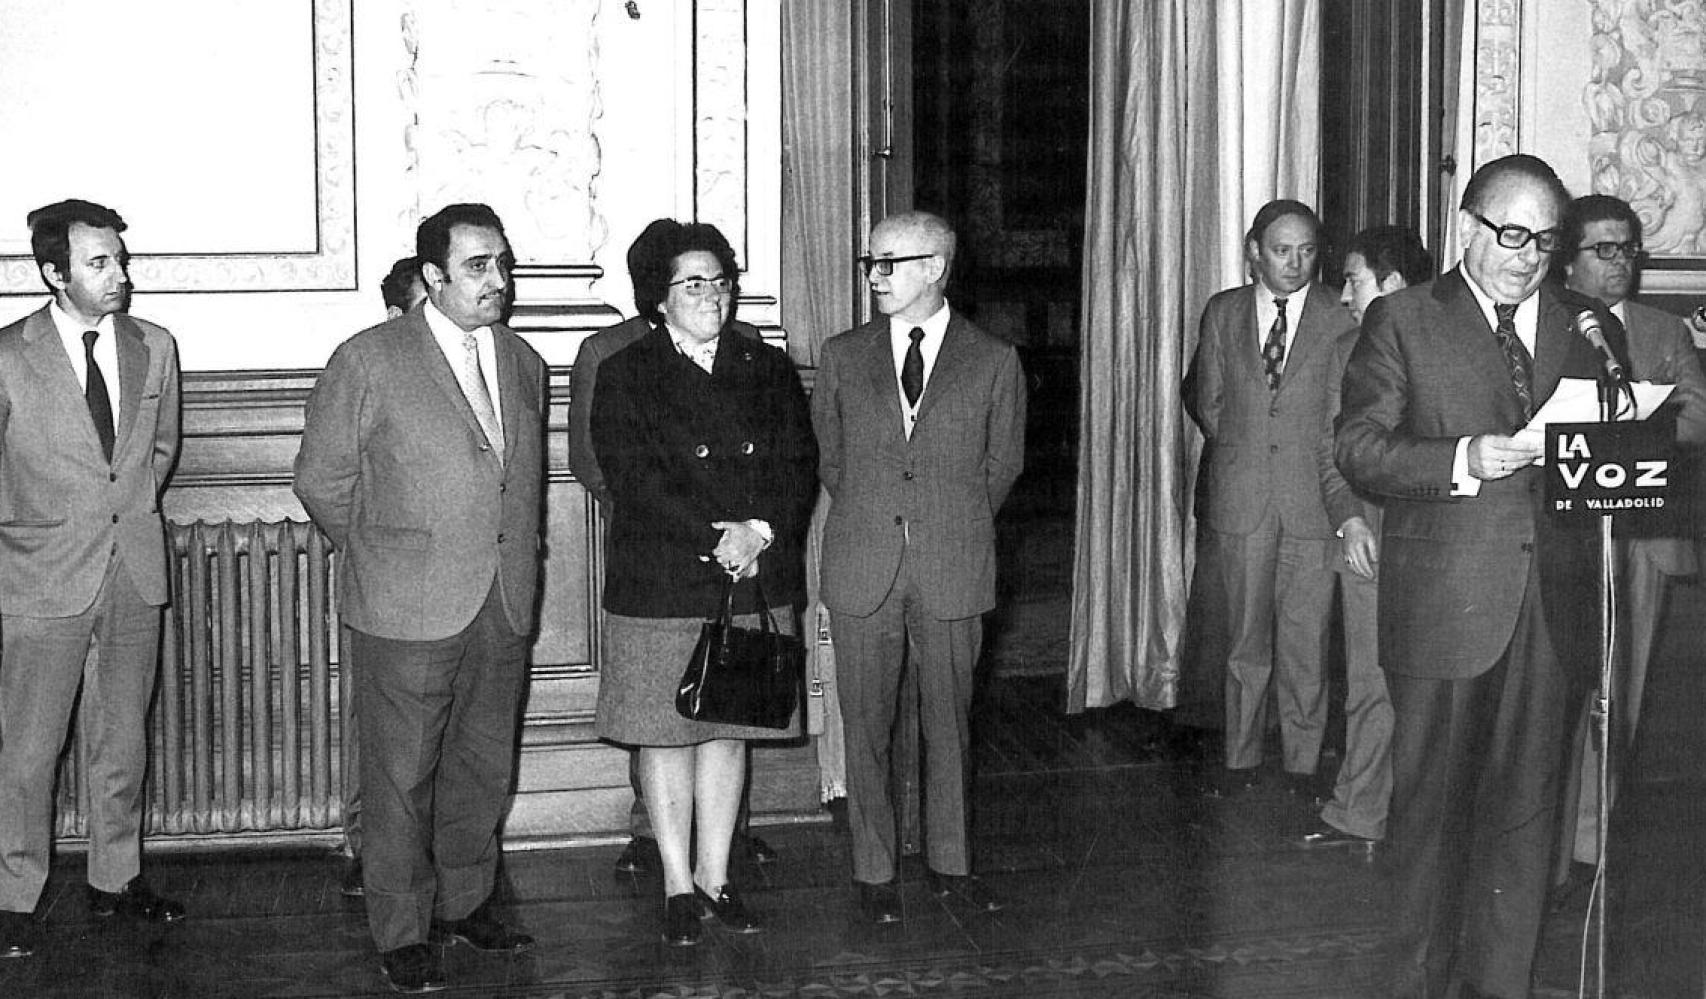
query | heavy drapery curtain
(1201,110)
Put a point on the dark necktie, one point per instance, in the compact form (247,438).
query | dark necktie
(1273,350)
(95,392)
(912,369)
(1517,358)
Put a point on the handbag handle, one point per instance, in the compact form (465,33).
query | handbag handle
(727,615)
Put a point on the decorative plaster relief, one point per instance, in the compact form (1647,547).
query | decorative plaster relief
(330,265)
(504,107)
(1647,120)
(720,119)
(1498,67)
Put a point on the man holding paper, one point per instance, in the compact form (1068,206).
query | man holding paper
(1604,237)
(1483,596)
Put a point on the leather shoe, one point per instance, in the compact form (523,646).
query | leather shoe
(880,903)
(966,888)
(759,852)
(413,969)
(136,901)
(636,857)
(19,933)
(353,884)
(1322,836)
(482,931)
(728,908)
(681,914)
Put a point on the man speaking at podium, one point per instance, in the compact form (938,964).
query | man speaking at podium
(1486,604)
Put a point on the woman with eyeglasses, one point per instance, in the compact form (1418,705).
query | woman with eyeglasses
(706,447)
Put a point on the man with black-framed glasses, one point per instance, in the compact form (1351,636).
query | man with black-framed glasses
(1488,614)
(1604,235)
(920,420)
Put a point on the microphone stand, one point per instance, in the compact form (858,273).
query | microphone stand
(1611,391)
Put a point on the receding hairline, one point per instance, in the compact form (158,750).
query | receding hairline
(932,230)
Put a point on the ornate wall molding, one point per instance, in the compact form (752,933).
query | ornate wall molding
(1498,77)
(720,119)
(330,264)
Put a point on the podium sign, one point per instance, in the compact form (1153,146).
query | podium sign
(1596,469)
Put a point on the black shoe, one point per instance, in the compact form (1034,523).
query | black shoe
(637,856)
(1321,836)
(681,926)
(1231,783)
(353,884)
(880,903)
(413,969)
(758,851)
(19,934)
(728,908)
(482,931)
(965,888)
(136,901)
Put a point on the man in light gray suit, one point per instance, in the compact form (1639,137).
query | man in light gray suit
(88,434)
(422,461)
(920,421)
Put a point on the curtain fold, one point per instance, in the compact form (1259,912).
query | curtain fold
(1200,112)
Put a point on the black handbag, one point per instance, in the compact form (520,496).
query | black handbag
(742,676)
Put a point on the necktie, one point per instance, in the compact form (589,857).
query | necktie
(1273,349)
(95,393)
(479,397)
(912,369)
(1517,357)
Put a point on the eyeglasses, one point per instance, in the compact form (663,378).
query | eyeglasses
(884,266)
(1608,250)
(699,287)
(1515,237)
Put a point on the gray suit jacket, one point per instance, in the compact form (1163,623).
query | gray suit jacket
(63,509)
(1661,350)
(932,496)
(1267,445)
(395,470)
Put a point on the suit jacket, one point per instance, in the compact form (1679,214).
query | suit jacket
(1342,500)
(932,496)
(1266,445)
(583,381)
(1426,371)
(681,449)
(64,510)
(1662,350)
(394,468)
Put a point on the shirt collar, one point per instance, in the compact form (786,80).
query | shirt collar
(71,330)
(935,326)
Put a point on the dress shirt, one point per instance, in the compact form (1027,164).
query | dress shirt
(106,350)
(1267,312)
(1526,320)
(900,339)
(449,337)
(704,355)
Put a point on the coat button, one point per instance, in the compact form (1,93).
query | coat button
(745,447)
(908,476)
(897,521)
(701,452)
(1528,547)
(115,518)
(112,476)
(500,537)
(1273,449)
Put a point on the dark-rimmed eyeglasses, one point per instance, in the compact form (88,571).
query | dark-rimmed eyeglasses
(884,266)
(1515,237)
(1608,250)
(699,287)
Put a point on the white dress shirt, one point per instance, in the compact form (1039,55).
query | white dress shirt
(1267,312)
(106,351)
(449,337)
(900,339)
(1527,322)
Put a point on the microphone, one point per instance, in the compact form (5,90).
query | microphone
(1587,324)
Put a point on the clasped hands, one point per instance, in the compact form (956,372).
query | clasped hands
(1495,456)
(738,549)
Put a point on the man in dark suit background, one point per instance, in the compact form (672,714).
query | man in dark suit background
(1486,604)
(1603,239)
(1379,261)
(641,854)
(422,460)
(1263,355)
(88,435)
(920,422)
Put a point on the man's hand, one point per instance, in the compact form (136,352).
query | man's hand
(1359,546)
(1495,456)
